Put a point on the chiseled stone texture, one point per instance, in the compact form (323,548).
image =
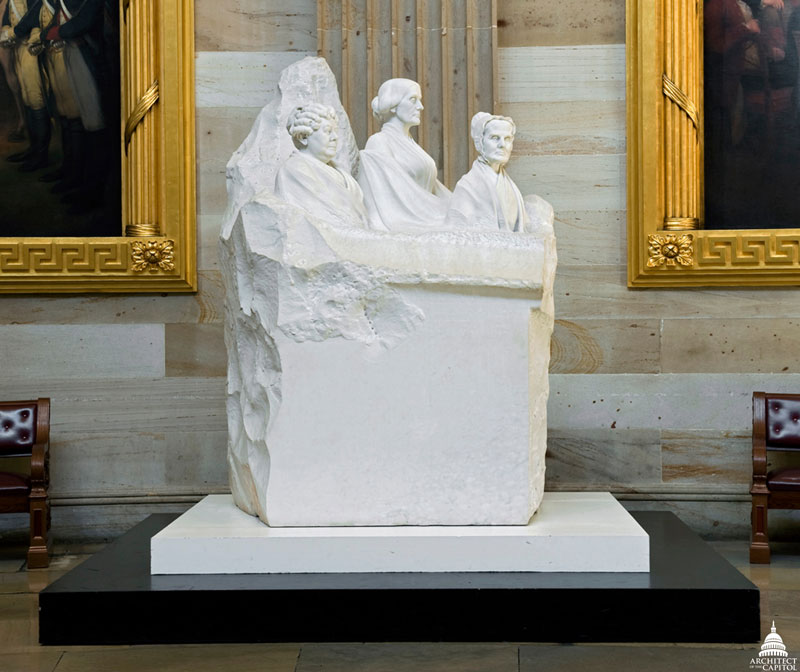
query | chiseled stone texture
(379,378)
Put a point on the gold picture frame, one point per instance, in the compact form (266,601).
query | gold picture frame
(666,245)
(157,136)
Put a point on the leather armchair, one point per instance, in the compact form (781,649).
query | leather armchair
(776,427)
(25,431)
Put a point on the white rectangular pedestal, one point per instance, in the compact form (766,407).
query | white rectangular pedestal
(571,532)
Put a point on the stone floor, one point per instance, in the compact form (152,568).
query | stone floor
(19,650)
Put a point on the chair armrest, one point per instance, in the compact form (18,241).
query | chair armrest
(40,453)
(759,438)
(43,420)
(40,463)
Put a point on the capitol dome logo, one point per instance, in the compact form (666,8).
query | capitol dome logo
(773,656)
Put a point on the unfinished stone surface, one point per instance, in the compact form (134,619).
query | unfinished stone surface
(379,378)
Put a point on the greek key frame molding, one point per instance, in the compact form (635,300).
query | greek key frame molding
(665,157)
(155,251)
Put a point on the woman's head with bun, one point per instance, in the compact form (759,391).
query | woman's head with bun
(390,94)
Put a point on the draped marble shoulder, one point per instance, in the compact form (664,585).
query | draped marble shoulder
(486,197)
(398,177)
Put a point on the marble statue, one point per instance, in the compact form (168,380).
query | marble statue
(253,168)
(309,178)
(393,374)
(398,177)
(486,197)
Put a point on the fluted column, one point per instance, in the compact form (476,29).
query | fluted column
(682,87)
(139,76)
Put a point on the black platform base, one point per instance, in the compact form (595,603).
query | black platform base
(691,594)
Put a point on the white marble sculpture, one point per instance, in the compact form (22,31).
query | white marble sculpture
(309,178)
(486,197)
(380,377)
(398,177)
(253,167)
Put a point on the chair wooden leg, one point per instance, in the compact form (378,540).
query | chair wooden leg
(759,544)
(38,555)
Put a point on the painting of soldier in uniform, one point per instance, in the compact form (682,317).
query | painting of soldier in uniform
(59,118)
(752,114)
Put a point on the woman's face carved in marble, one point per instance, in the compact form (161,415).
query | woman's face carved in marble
(409,108)
(498,141)
(322,143)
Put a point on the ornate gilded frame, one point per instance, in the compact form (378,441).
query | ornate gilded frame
(666,245)
(157,135)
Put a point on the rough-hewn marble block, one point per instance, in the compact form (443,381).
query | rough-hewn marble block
(409,391)
(379,378)
(572,532)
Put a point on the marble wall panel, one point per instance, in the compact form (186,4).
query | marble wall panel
(130,463)
(240,78)
(703,457)
(573,181)
(583,291)
(255,25)
(590,234)
(561,74)
(721,402)
(195,350)
(522,22)
(211,203)
(197,462)
(109,463)
(605,346)
(87,309)
(67,351)
(603,459)
(167,406)
(571,127)
(732,345)
(220,131)
(208,227)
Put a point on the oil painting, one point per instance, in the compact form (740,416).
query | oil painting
(59,139)
(752,134)
(713,142)
(97,146)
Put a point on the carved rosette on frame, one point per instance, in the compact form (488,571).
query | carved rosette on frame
(671,249)
(682,89)
(153,255)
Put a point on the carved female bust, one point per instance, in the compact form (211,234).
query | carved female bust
(486,197)
(309,179)
(401,190)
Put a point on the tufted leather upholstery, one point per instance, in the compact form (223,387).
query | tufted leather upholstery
(14,484)
(786,478)
(25,430)
(17,428)
(782,422)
